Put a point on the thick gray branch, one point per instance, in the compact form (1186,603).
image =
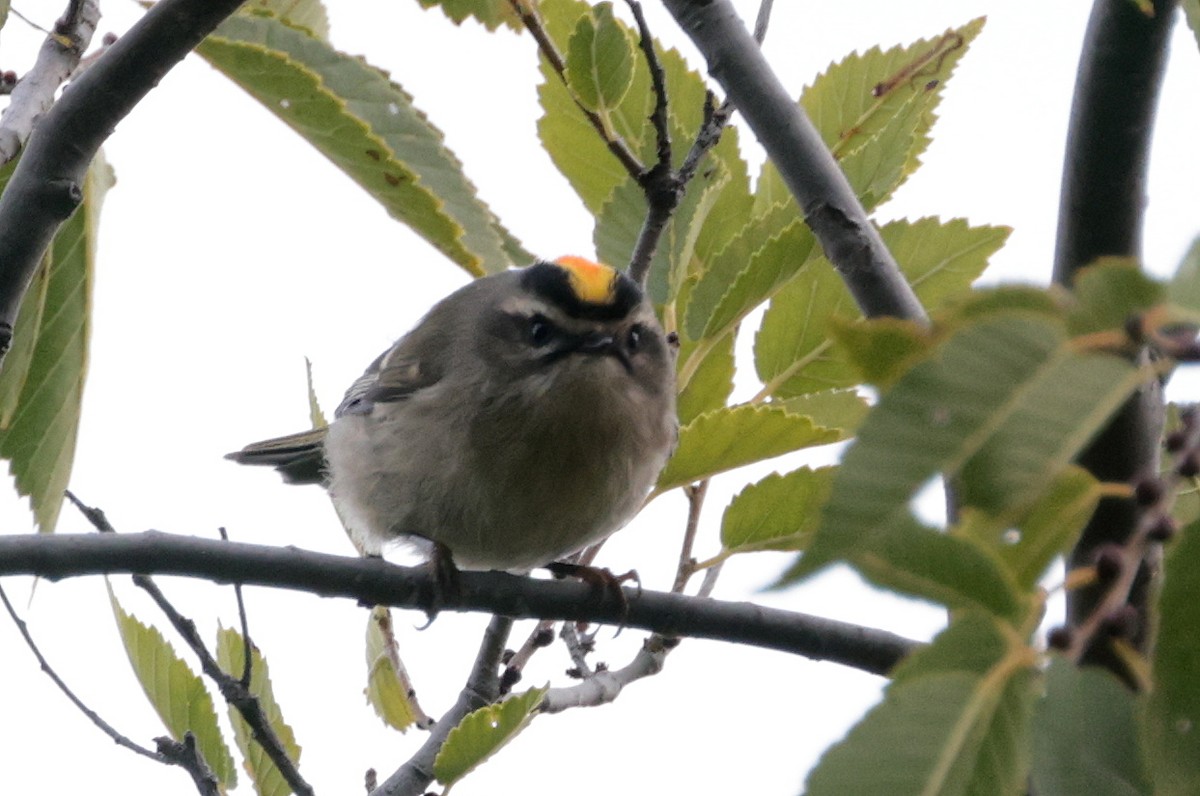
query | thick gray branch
(830,206)
(48,182)
(34,95)
(376,582)
(1100,213)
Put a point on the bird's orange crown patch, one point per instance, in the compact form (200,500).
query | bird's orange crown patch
(592,283)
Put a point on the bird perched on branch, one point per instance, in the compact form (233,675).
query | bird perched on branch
(525,418)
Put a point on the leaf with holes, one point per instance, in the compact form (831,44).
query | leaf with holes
(482,733)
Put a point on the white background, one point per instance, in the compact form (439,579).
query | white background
(230,250)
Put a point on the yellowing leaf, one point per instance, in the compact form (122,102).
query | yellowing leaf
(735,436)
(389,690)
(263,773)
(490,13)
(174,691)
(482,733)
(368,127)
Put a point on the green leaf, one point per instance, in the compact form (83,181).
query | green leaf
(840,409)
(1005,399)
(793,350)
(491,13)
(231,658)
(882,349)
(174,691)
(1184,287)
(307,14)
(774,258)
(600,57)
(1108,292)
(41,385)
(954,721)
(1050,526)
(735,436)
(875,112)
(780,512)
(1171,733)
(482,733)
(368,127)
(1084,736)
(712,383)
(389,690)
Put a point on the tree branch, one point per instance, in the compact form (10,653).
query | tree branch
(46,186)
(482,688)
(1100,213)
(830,207)
(57,59)
(376,582)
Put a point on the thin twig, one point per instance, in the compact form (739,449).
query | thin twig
(186,753)
(482,688)
(92,715)
(236,692)
(533,23)
(687,561)
(247,657)
(763,21)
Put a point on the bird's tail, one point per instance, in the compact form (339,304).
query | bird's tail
(299,458)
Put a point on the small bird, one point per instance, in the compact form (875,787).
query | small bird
(525,418)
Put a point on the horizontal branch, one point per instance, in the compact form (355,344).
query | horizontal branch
(375,581)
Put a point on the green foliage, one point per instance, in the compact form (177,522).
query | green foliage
(955,720)
(491,13)
(174,691)
(1184,289)
(600,56)
(482,733)
(231,657)
(1171,738)
(779,512)
(41,384)
(738,435)
(1084,737)
(1004,402)
(369,128)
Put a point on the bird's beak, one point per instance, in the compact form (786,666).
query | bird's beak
(604,344)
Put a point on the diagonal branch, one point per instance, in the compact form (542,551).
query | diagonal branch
(1100,213)
(482,688)
(376,582)
(46,186)
(830,207)
(56,61)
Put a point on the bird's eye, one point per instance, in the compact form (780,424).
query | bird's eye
(540,331)
(634,341)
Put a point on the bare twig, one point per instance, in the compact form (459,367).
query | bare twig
(33,96)
(244,622)
(1100,213)
(187,754)
(482,688)
(92,715)
(46,186)
(376,582)
(533,23)
(235,691)
(830,207)
(687,562)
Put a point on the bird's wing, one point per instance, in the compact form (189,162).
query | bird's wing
(396,374)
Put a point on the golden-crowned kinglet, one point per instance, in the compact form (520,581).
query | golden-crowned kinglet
(526,417)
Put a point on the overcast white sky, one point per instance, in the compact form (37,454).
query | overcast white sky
(230,250)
